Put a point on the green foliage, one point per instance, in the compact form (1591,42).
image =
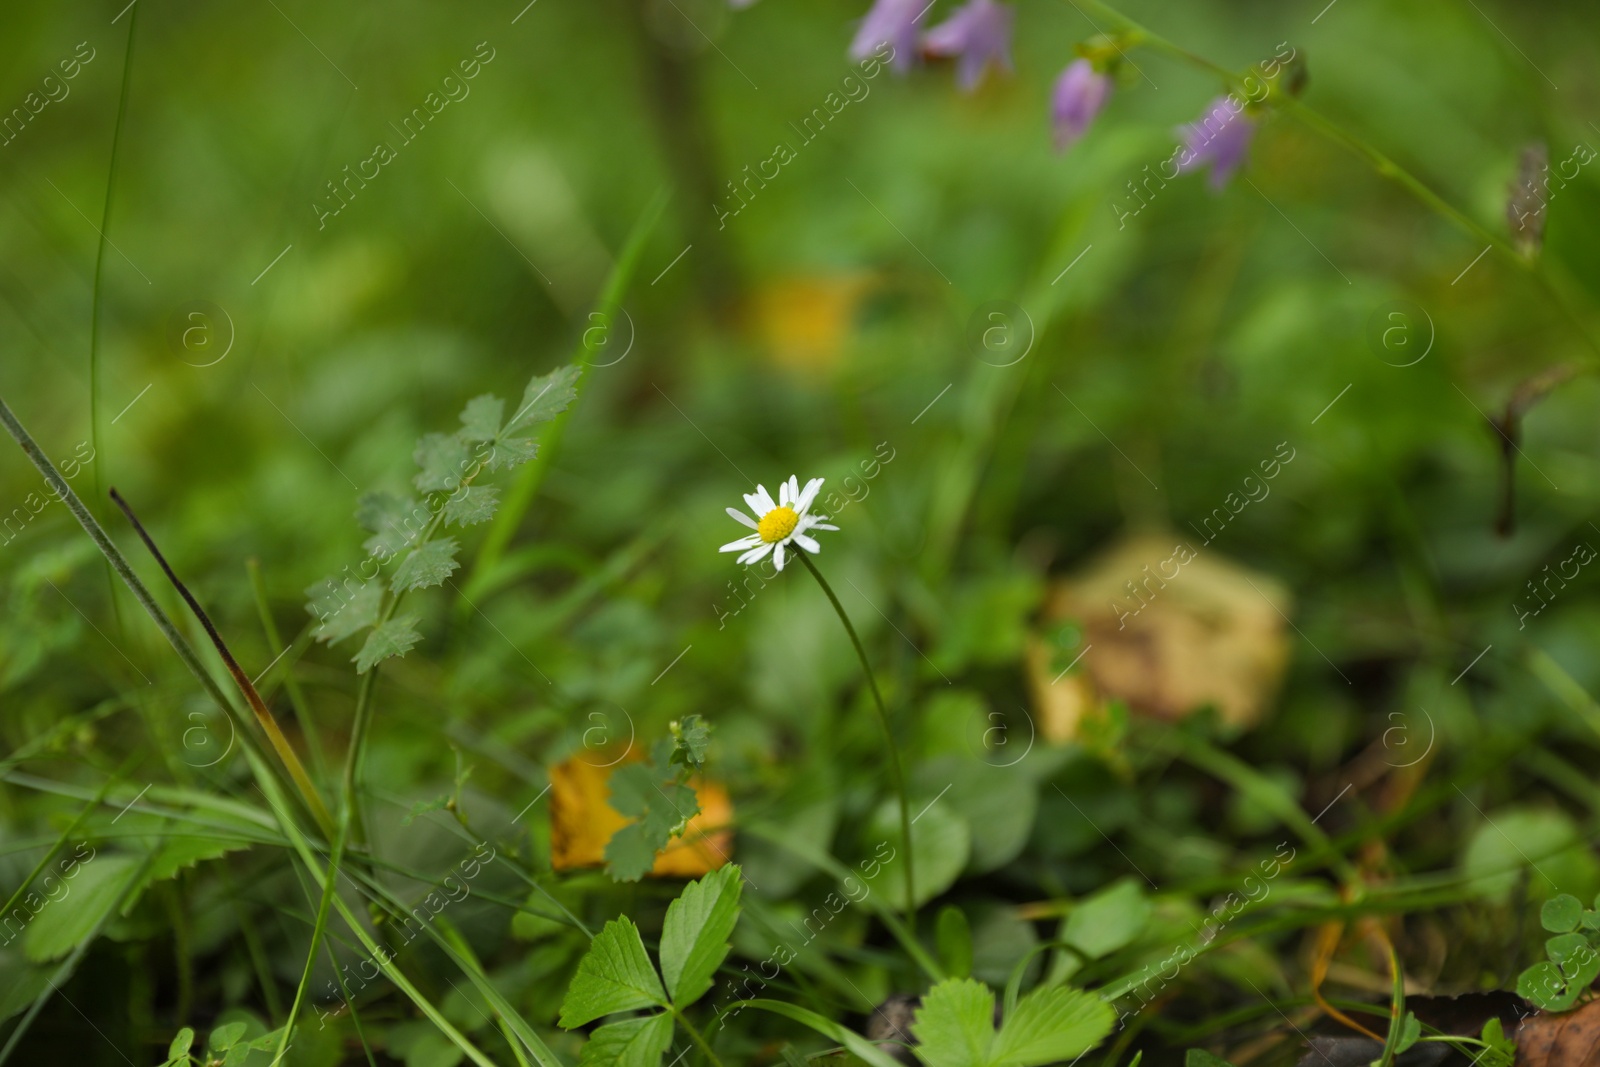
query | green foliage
(401,527)
(656,795)
(955,1026)
(694,940)
(1573,963)
(954,937)
(616,975)
(1199,1057)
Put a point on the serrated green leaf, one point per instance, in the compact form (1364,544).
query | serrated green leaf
(630,1043)
(343,608)
(58,926)
(472,505)
(954,1024)
(395,522)
(614,975)
(511,452)
(631,852)
(691,738)
(661,806)
(546,397)
(394,638)
(427,566)
(1561,914)
(1052,1024)
(177,852)
(480,419)
(694,938)
(444,459)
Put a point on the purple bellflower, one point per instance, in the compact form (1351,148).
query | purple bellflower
(979,33)
(1221,138)
(891,22)
(1080,93)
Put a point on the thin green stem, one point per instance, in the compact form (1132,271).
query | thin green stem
(526,485)
(94,298)
(897,776)
(696,1036)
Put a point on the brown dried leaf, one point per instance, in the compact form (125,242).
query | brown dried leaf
(582,822)
(1570,1039)
(1170,625)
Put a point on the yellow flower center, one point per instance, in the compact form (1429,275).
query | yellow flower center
(777,524)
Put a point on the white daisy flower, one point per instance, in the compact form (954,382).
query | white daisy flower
(778,525)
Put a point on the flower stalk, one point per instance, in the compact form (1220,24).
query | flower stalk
(896,774)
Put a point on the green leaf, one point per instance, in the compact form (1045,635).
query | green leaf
(630,1043)
(342,609)
(181,1044)
(394,521)
(427,566)
(1199,1057)
(691,738)
(62,924)
(662,806)
(942,841)
(1544,986)
(1107,921)
(480,419)
(444,459)
(511,452)
(694,938)
(631,852)
(546,397)
(180,851)
(954,1025)
(1561,914)
(1052,1024)
(394,638)
(472,505)
(225,1037)
(1410,1033)
(614,975)
(954,938)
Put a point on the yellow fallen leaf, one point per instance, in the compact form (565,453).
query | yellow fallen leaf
(582,821)
(1170,625)
(803,323)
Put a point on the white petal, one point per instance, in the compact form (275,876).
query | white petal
(809,494)
(813,522)
(806,543)
(755,553)
(822,526)
(777,555)
(765,499)
(794,492)
(739,516)
(784,499)
(743,543)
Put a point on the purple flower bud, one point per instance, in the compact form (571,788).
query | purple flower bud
(1221,137)
(979,33)
(1080,93)
(891,22)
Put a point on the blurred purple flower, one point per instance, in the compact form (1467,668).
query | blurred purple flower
(978,33)
(1221,137)
(891,22)
(1080,93)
